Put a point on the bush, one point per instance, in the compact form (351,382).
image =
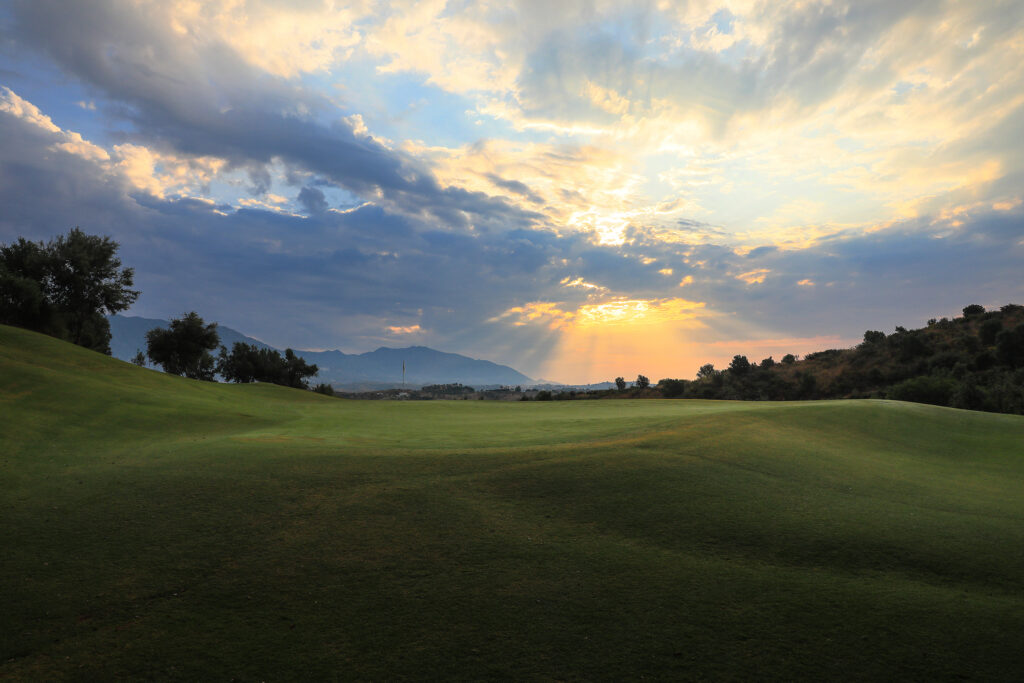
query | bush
(1010,346)
(988,331)
(672,388)
(926,389)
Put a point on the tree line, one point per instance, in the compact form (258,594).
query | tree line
(68,286)
(974,361)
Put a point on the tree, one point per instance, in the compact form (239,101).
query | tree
(768,362)
(739,366)
(620,383)
(971,311)
(184,348)
(139,359)
(248,363)
(671,388)
(297,370)
(325,389)
(706,370)
(788,359)
(65,288)
(924,389)
(873,337)
(1010,346)
(642,382)
(988,331)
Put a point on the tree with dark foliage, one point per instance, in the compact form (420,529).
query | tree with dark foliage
(739,366)
(1010,346)
(620,383)
(247,363)
(706,370)
(184,348)
(296,370)
(642,382)
(65,288)
(874,337)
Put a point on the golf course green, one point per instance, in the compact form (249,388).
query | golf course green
(154,527)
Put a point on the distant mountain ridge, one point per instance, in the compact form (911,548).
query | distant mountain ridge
(381,368)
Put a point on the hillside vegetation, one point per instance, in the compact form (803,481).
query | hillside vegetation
(974,362)
(156,527)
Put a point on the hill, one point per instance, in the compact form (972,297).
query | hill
(381,368)
(160,528)
(974,362)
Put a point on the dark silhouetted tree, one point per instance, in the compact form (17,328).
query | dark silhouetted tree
(642,382)
(706,370)
(297,370)
(184,348)
(988,331)
(139,359)
(739,366)
(873,337)
(620,383)
(65,287)
(925,389)
(1010,346)
(788,359)
(247,363)
(671,388)
(973,310)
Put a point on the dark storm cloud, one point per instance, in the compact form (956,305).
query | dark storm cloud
(312,200)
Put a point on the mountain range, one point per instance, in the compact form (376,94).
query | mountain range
(378,369)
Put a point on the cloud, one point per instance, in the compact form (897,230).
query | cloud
(506,176)
(407,329)
(754,277)
(312,200)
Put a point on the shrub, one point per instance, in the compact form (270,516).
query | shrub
(925,389)
(988,331)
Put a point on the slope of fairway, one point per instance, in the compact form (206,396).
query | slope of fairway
(156,527)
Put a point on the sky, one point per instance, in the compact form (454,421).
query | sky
(581,190)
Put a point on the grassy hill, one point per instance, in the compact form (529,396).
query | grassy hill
(156,527)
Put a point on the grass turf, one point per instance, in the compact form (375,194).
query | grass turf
(156,527)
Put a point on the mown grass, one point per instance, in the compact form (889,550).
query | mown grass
(158,528)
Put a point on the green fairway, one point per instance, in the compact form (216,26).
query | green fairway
(154,527)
